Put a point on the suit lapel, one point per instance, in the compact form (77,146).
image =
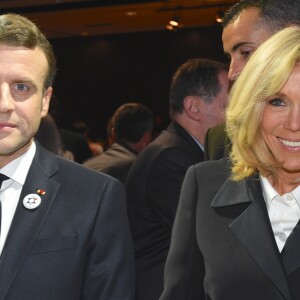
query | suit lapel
(27,223)
(253,230)
(192,144)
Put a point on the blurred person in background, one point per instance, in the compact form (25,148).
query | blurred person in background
(246,25)
(49,137)
(130,132)
(198,97)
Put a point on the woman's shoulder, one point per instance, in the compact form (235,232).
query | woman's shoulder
(223,163)
(213,170)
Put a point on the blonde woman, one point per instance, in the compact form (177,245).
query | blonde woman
(235,235)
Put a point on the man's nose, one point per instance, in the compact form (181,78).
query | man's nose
(235,69)
(6,99)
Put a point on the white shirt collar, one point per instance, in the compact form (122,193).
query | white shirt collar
(270,193)
(198,143)
(18,169)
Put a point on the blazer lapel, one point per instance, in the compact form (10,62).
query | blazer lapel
(252,228)
(27,223)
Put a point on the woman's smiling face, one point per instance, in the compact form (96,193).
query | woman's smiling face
(281,124)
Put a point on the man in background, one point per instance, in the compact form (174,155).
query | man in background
(198,97)
(245,27)
(130,130)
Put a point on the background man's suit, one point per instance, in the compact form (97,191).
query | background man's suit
(115,161)
(153,187)
(68,248)
(223,241)
(217,143)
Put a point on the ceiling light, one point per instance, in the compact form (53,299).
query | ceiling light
(174,21)
(131,13)
(170,27)
(173,24)
(219,16)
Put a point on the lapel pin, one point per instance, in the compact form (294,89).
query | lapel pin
(32,201)
(41,192)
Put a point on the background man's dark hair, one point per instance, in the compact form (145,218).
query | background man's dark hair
(131,121)
(196,77)
(275,14)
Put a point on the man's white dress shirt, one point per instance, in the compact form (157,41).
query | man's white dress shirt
(10,191)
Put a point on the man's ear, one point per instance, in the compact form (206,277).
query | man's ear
(192,107)
(46,101)
(144,141)
(112,135)
(147,137)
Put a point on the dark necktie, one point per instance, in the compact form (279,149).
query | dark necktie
(2,178)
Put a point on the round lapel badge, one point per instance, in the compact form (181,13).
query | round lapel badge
(32,201)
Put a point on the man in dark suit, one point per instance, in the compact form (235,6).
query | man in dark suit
(198,96)
(245,26)
(130,129)
(64,229)
(216,143)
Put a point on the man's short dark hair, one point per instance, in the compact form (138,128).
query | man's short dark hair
(131,121)
(196,77)
(275,14)
(18,31)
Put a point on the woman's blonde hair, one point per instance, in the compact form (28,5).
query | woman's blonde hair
(263,77)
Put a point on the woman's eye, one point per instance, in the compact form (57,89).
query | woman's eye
(276,102)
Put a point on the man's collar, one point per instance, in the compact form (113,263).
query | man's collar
(18,168)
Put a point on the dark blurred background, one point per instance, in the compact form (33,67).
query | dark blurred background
(112,52)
